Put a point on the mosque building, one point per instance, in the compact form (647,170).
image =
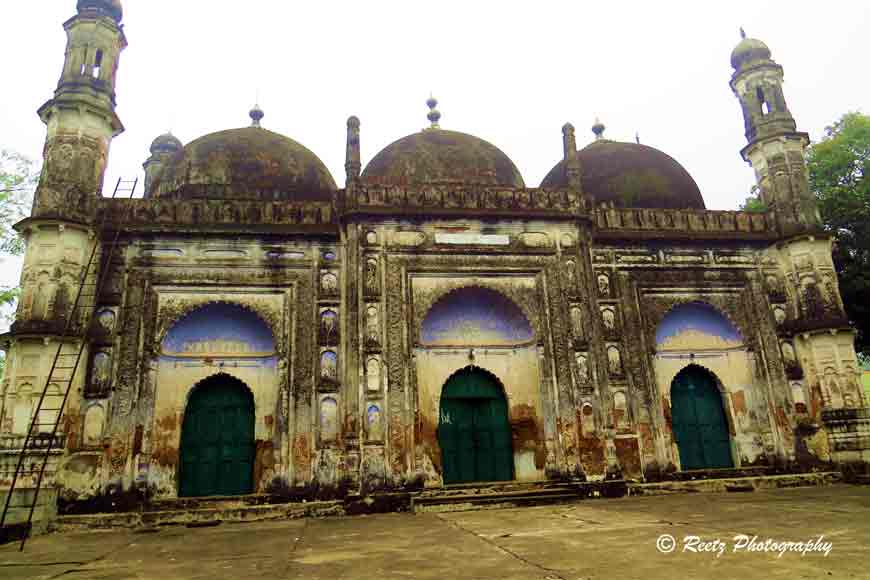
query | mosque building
(248,326)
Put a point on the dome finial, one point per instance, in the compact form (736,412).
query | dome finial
(434,114)
(742,33)
(256,114)
(598,129)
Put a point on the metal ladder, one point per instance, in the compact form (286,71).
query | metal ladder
(64,366)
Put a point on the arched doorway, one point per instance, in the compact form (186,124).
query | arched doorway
(699,423)
(473,431)
(217,439)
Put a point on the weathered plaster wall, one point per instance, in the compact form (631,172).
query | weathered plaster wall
(695,333)
(214,339)
(466,320)
(518,369)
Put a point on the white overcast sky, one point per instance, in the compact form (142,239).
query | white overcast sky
(510,72)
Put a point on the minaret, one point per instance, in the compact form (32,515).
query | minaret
(814,339)
(60,234)
(775,148)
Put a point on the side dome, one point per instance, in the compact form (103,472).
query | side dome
(166,143)
(111,8)
(438,157)
(631,175)
(749,50)
(247,163)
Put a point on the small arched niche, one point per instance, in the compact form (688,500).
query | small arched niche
(219,329)
(475,316)
(696,326)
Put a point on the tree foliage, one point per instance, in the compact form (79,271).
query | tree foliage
(753,203)
(17,180)
(837,166)
(18,176)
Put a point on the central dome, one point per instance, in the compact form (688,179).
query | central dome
(438,157)
(252,163)
(631,175)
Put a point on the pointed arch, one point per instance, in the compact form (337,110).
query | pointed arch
(471,370)
(222,327)
(173,314)
(217,438)
(475,316)
(696,325)
(700,419)
(473,428)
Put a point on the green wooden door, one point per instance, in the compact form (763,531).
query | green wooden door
(473,430)
(699,423)
(217,440)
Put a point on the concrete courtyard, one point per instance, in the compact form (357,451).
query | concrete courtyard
(596,539)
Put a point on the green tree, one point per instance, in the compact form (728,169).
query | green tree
(838,165)
(753,203)
(18,176)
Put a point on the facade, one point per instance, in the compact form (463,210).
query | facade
(435,321)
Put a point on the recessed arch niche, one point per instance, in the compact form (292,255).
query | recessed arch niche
(695,326)
(219,328)
(475,316)
(216,335)
(698,341)
(485,327)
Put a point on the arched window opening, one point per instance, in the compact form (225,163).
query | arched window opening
(98,64)
(763,103)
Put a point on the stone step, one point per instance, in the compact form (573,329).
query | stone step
(195,517)
(494,501)
(215,510)
(732,484)
(496,487)
(516,495)
(720,473)
(213,502)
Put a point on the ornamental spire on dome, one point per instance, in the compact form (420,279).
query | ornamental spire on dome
(256,114)
(434,114)
(598,129)
(742,33)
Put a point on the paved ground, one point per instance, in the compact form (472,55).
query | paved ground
(595,539)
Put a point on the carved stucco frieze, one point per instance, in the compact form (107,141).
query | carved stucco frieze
(137,307)
(396,349)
